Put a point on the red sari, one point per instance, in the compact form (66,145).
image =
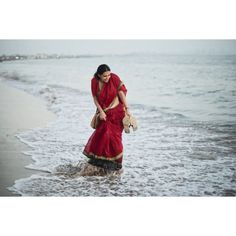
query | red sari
(105,147)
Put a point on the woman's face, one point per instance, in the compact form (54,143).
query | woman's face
(105,76)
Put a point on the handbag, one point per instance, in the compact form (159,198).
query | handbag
(95,120)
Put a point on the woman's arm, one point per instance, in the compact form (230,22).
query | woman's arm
(102,113)
(124,101)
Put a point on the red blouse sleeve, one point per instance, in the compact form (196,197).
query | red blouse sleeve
(118,82)
(123,88)
(94,87)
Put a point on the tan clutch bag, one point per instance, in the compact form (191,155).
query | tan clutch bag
(95,121)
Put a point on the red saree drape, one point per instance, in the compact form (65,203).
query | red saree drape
(106,141)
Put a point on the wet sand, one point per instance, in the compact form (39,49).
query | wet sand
(19,111)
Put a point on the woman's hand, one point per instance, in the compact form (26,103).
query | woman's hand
(102,116)
(128,112)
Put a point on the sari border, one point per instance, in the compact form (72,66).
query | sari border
(92,155)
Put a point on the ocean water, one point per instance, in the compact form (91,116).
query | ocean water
(186,111)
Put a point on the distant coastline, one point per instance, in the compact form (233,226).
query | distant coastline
(15,57)
(38,56)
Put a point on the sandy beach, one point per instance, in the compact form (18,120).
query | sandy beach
(19,111)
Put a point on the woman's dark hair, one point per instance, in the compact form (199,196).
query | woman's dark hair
(101,69)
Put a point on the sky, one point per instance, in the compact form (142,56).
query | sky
(78,47)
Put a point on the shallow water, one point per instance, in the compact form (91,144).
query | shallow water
(186,141)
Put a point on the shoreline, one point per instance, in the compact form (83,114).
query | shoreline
(19,111)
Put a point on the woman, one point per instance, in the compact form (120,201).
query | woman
(104,148)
